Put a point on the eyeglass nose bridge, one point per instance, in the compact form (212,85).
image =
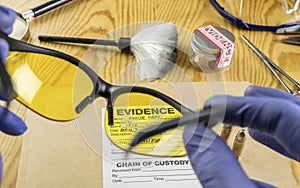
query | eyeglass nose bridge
(101,89)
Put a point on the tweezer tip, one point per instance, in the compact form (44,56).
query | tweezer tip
(136,140)
(129,149)
(243,37)
(127,153)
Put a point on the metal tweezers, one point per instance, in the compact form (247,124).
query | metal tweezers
(273,68)
(191,118)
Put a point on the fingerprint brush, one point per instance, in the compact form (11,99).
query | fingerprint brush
(154,47)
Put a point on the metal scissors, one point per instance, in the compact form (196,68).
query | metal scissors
(273,68)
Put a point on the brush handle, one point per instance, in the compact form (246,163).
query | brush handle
(123,43)
(78,40)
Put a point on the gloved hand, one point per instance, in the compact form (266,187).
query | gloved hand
(272,117)
(9,122)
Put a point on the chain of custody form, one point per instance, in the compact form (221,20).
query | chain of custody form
(129,170)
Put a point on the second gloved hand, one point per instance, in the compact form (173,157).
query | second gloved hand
(273,120)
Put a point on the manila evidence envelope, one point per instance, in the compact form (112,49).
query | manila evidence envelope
(68,154)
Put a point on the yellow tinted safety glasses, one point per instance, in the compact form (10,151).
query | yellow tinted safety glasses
(51,86)
(61,88)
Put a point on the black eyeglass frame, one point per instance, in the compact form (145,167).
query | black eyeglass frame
(111,92)
(101,88)
(6,82)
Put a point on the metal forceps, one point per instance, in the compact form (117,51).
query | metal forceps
(273,67)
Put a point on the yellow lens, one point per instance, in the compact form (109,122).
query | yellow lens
(48,85)
(135,111)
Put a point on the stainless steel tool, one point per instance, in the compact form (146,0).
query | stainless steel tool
(291,40)
(273,68)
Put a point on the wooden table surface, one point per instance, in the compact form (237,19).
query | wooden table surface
(96,18)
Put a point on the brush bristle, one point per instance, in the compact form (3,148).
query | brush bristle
(155,50)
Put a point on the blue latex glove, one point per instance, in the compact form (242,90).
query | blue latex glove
(273,119)
(9,122)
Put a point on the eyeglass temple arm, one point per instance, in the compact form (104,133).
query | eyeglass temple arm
(284,28)
(221,10)
(7,84)
(189,118)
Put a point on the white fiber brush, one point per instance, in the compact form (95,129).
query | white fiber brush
(154,47)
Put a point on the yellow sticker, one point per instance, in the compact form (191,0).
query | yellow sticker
(128,120)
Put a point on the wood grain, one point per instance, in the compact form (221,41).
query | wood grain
(10,148)
(98,18)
